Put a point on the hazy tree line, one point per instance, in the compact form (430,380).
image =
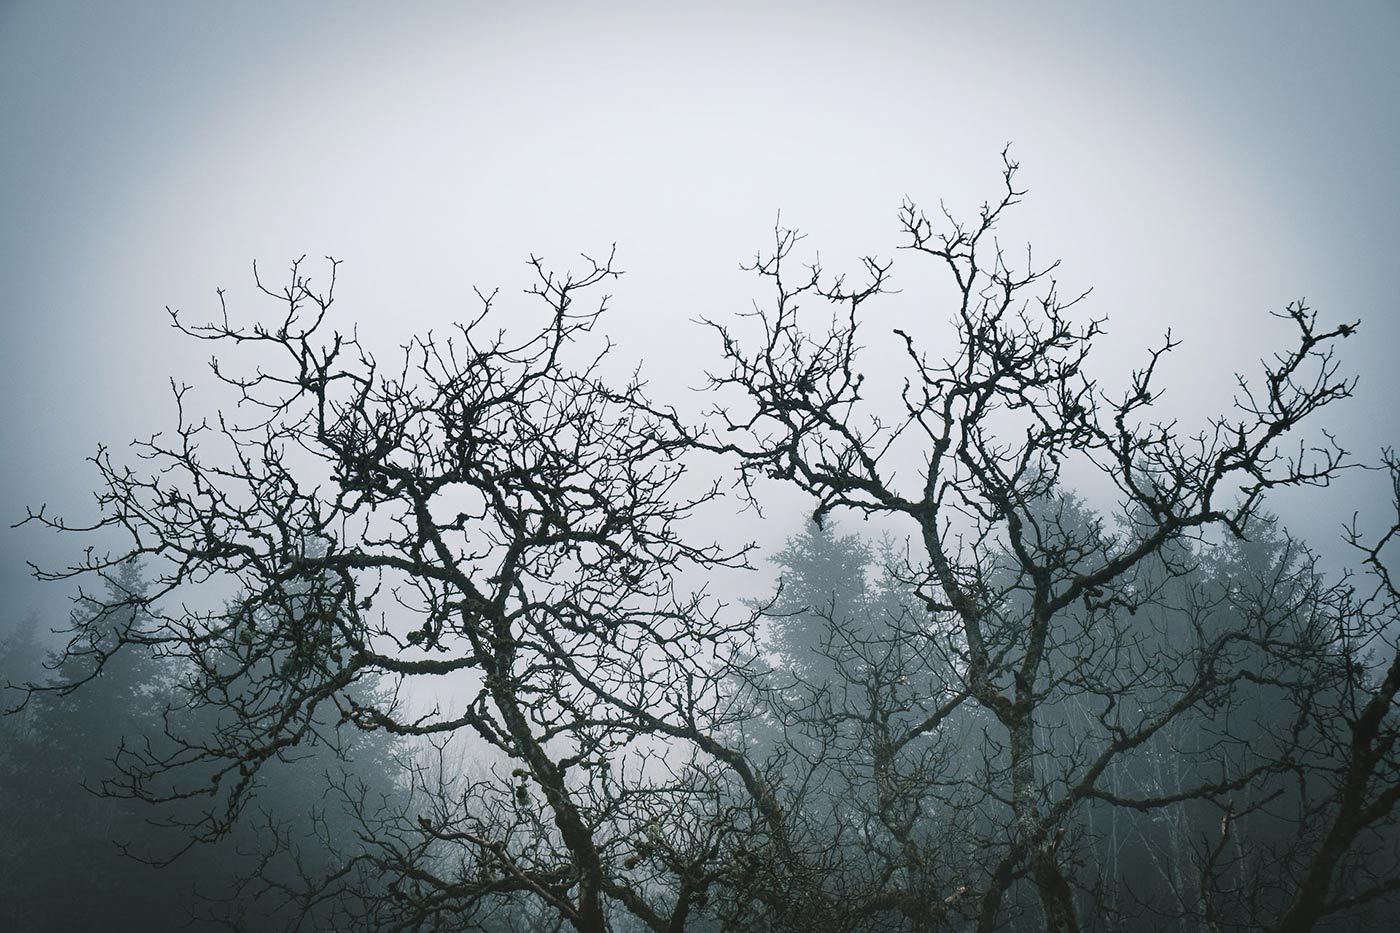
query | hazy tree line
(83,850)
(465,678)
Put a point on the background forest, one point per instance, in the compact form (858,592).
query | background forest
(837,649)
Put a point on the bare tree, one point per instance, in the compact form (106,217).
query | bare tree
(1348,856)
(486,514)
(1039,597)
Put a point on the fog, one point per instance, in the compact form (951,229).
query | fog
(1194,166)
(1198,168)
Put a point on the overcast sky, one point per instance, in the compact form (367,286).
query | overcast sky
(1198,164)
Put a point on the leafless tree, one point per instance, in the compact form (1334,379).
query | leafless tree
(487,514)
(1347,819)
(1034,600)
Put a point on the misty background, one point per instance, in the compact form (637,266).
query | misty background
(1198,165)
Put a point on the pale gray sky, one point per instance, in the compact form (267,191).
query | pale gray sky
(1199,164)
